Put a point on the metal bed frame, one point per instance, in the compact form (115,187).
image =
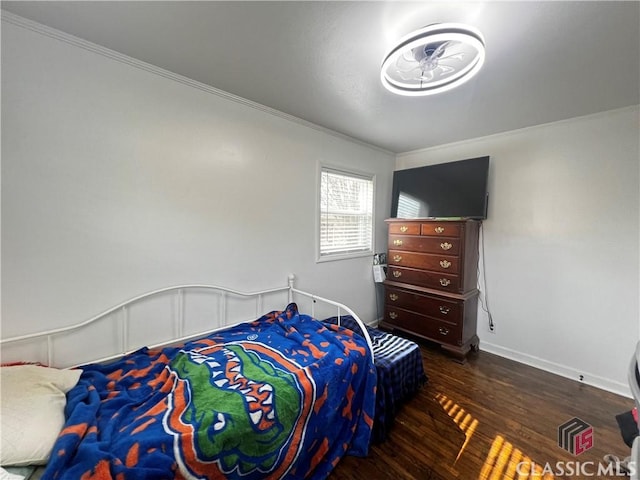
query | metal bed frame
(179,291)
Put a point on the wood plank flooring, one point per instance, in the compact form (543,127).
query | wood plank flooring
(470,421)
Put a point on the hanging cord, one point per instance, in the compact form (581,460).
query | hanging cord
(484,304)
(377,261)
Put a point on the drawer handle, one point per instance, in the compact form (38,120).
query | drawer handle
(445,246)
(445,282)
(397,274)
(444,310)
(397,258)
(393,315)
(397,243)
(393,297)
(445,263)
(404,228)
(443,331)
(439,229)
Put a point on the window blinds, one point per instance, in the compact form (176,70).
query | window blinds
(346,213)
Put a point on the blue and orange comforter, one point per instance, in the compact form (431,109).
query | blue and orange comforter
(282,397)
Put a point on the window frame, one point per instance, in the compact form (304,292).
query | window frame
(322,167)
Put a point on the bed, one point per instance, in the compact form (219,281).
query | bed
(399,370)
(281,396)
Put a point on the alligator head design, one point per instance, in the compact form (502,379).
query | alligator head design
(241,405)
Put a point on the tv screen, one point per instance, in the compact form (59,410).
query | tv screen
(446,190)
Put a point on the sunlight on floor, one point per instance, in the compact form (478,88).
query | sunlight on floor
(464,420)
(504,461)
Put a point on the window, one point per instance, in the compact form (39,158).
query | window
(346,214)
(408,207)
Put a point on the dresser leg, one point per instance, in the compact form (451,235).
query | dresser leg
(460,353)
(475,344)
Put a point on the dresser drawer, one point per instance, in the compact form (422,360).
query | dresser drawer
(405,228)
(433,306)
(424,278)
(442,332)
(448,246)
(438,263)
(441,229)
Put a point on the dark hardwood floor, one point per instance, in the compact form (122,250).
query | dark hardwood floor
(490,418)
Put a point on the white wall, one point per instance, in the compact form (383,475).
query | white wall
(118,179)
(561,243)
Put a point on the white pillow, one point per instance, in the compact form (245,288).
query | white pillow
(32,411)
(4,475)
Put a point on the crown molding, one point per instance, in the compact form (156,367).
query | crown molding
(517,131)
(53,33)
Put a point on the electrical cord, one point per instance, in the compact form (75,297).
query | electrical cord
(376,262)
(484,304)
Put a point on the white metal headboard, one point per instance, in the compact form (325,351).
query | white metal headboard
(179,290)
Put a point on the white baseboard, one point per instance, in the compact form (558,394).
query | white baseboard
(562,370)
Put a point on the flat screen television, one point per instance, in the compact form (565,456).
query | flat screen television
(445,190)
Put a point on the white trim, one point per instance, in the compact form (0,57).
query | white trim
(133,62)
(557,369)
(511,132)
(342,256)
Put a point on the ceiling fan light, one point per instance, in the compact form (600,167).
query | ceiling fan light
(433,59)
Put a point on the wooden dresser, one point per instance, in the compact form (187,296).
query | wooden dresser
(431,286)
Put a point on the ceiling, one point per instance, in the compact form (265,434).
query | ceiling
(319,61)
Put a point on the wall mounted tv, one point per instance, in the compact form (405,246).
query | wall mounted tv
(445,190)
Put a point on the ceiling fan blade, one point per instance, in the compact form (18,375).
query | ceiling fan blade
(413,74)
(406,62)
(439,51)
(426,76)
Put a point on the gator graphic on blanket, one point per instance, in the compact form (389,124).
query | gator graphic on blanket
(249,396)
(282,397)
